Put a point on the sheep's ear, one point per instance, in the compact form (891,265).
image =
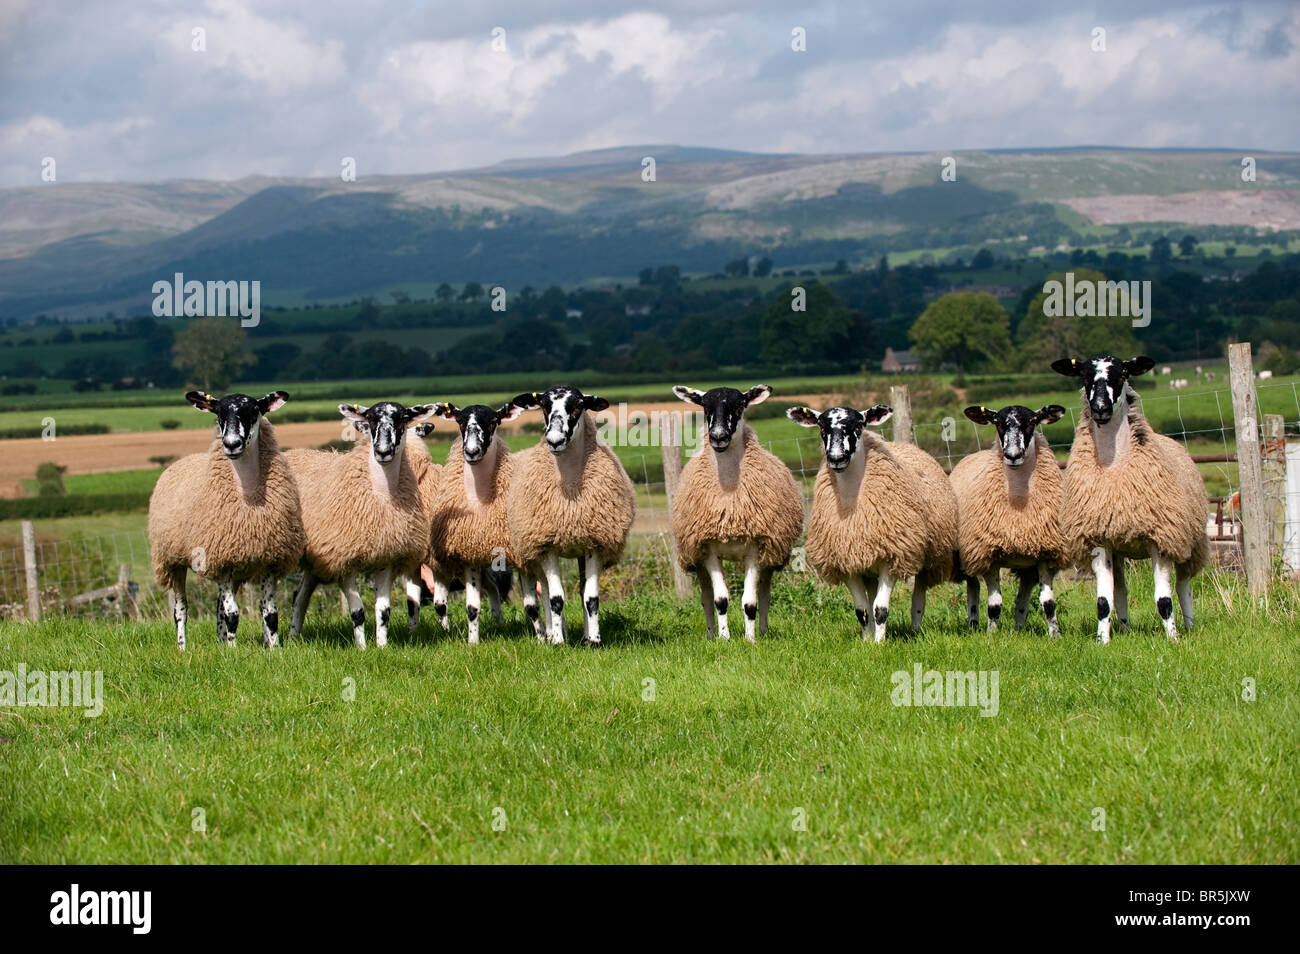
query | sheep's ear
(1070,367)
(1050,414)
(689,395)
(757,394)
(445,410)
(593,402)
(878,414)
(803,415)
(420,412)
(273,401)
(1139,365)
(529,401)
(353,412)
(980,414)
(422,431)
(508,412)
(202,400)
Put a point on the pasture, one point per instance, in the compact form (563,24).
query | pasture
(664,746)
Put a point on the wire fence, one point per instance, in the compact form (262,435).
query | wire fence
(113,569)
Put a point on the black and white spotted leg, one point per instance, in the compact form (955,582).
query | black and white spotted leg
(528,589)
(591,598)
(227,612)
(1023,592)
(973,602)
(270,616)
(356,610)
(383,580)
(411,586)
(1121,595)
(555,597)
(1047,598)
(473,601)
(706,600)
(180,610)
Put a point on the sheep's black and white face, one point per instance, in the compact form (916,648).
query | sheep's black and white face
(1103,380)
(386,424)
(562,406)
(1015,425)
(477,423)
(841,429)
(238,417)
(724,408)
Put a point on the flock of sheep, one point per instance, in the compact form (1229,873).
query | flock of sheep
(882,511)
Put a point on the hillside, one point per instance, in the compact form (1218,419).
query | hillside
(82,249)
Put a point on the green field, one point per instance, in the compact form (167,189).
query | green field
(664,746)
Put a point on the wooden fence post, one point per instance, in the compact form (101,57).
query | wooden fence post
(900,399)
(670,447)
(125,600)
(1254,519)
(29,566)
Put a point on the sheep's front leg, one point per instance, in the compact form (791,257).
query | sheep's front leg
(918,606)
(528,590)
(180,610)
(1185,599)
(555,589)
(413,595)
(993,580)
(383,605)
(749,594)
(973,602)
(861,603)
(880,603)
(713,566)
(473,600)
(301,600)
(706,600)
(1164,567)
(1023,592)
(1121,594)
(356,609)
(1047,599)
(227,612)
(591,598)
(1105,591)
(270,617)
(764,598)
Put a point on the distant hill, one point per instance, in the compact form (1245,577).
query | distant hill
(80,249)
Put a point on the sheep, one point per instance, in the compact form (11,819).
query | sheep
(232,512)
(881,511)
(1130,493)
(1008,513)
(569,497)
(734,501)
(470,530)
(362,512)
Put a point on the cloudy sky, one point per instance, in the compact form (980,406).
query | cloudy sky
(114,90)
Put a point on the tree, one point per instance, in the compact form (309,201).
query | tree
(737,269)
(967,329)
(445,293)
(1161,252)
(826,332)
(1044,338)
(472,291)
(645,276)
(983,259)
(212,352)
(763,267)
(1187,245)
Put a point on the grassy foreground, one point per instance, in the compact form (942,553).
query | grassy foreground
(663,746)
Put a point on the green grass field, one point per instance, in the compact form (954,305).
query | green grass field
(664,746)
